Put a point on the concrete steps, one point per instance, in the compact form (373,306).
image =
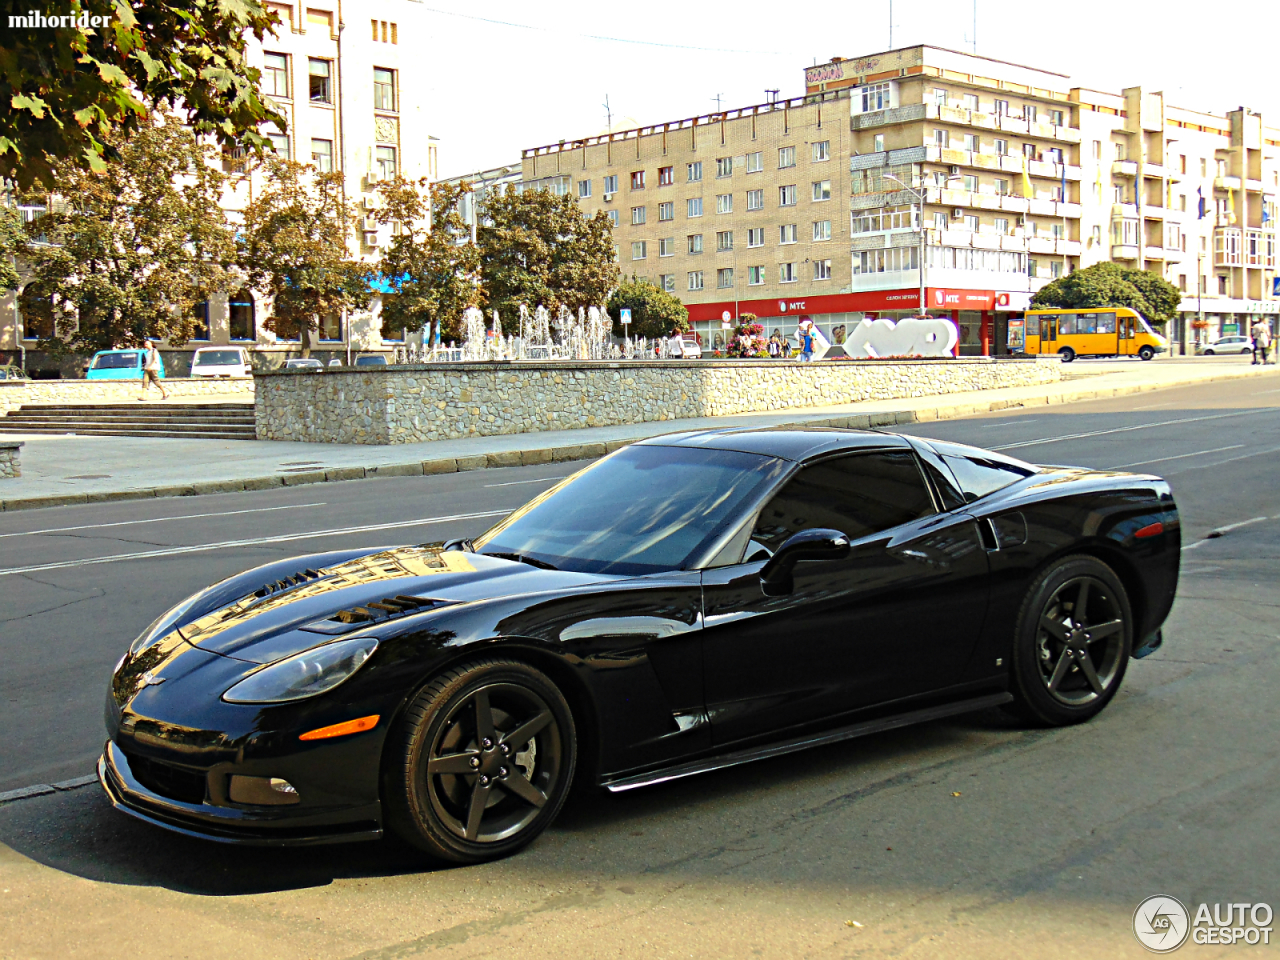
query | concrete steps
(192,421)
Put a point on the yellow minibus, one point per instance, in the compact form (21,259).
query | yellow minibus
(1100,332)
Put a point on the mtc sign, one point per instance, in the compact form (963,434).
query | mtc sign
(943,299)
(910,337)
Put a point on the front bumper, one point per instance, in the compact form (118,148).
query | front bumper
(266,827)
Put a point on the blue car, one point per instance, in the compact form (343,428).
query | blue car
(119,365)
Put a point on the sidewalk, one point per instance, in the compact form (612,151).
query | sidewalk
(62,470)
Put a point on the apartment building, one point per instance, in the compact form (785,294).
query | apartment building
(977,179)
(353,93)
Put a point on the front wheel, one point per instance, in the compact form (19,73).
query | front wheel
(1207,353)
(1067,354)
(1146,352)
(1072,643)
(482,763)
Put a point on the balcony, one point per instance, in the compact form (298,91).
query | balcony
(1129,211)
(973,118)
(1067,248)
(1169,254)
(1226,183)
(1124,168)
(1013,243)
(880,118)
(1124,251)
(1040,245)
(1160,172)
(985,241)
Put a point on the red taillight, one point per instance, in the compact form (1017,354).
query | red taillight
(1151,530)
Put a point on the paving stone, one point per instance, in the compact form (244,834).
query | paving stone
(335,474)
(431,467)
(503,458)
(299,479)
(395,470)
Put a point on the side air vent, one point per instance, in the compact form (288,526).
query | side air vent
(376,612)
(268,589)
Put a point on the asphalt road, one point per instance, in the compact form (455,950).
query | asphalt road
(970,837)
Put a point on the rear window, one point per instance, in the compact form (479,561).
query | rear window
(371,361)
(218,358)
(115,361)
(980,472)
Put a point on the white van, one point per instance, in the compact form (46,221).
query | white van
(221,362)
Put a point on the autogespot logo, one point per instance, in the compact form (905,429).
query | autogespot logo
(1161,924)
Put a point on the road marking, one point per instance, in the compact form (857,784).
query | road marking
(1140,426)
(1217,532)
(1181,456)
(512,483)
(1243,456)
(1153,406)
(127,523)
(226,544)
(1005,423)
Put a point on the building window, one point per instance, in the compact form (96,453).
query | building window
(1002,226)
(1033,268)
(322,155)
(611,184)
(613,217)
(787,233)
(1000,107)
(695,206)
(1095,236)
(666,176)
(1054,154)
(390,31)
(786,157)
(971,183)
(822,269)
(1002,187)
(787,196)
(821,230)
(1002,148)
(1029,113)
(942,138)
(637,215)
(821,151)
(584,188)
(1029,151)
(695,243)
(667,211)
(637,180)
(724,241)
(386,160)
(821,190)
(724,203)
(1204,167)
(667,281)
(755,162)
(971,142)
(1055,268)
(275,75)
(280,144)
(755,237)
(695,172)
(724,278)
(240,318)
(321,86)
(786,273)
(875,96)
(695,280)
(331,328)
(755,199)
(971,102)
(939,97)
(639,250)
(755,276)
(971,223)
(384,89)
(877,143)
(940,221)
(1056,117)
(1059,232)
(667,247)
(724,167)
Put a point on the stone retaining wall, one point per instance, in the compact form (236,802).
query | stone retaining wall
(14,393)
(408,404)
(10,465)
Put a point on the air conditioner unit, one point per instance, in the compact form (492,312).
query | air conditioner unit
(373,202)
(957,213)
(608,197)
(1022,221)
(370,224)
(373,176)
(955,171)
(371,238)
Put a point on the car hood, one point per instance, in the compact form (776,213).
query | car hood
(316,606)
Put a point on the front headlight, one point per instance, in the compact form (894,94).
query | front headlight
(305,674)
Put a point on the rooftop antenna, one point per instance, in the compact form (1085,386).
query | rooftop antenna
(716,98)
(773,94)
(890,24)
(973,37)
(608,113)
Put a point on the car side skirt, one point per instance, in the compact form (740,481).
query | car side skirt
(796,744)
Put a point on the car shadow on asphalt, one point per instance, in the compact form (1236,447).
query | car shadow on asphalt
(78,832)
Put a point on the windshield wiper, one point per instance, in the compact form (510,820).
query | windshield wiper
(521,558)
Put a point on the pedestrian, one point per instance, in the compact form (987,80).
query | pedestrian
(151,370)
(806,342)
(775,348)
(1261,340)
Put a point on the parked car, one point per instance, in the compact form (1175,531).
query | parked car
(370,360)
(303,363)
(11,371)
(119,365)
(221,362)
(1235,343)
(686,348)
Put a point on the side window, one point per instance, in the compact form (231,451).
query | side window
(942,481)
(978,472)
(858,495)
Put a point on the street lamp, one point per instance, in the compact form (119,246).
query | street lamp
(919,194)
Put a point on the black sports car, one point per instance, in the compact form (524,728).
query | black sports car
(687,603)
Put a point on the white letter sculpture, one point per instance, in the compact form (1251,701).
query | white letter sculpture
(910,337)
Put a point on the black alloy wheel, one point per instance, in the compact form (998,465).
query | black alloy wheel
(1072,644)
(1207,353)
(1067,354)
(483,763)
(1146,352)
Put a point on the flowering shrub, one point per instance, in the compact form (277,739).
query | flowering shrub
(748,339)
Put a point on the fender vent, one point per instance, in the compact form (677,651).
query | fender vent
(376,612)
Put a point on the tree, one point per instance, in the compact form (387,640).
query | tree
(1111,285)
(431,264)
(294,247)
(127,254)
(654,312)
(72,94)
(12,244)
(538,249)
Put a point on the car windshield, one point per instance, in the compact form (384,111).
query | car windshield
(115,361)
(643,510)
(218,358)
(371,361)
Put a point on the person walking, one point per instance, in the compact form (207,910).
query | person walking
(151,370)
(806,343)
(1261,334)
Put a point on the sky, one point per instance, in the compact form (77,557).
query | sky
(498,88)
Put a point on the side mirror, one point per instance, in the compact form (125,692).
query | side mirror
(815,544)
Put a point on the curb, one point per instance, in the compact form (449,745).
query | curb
(582,451)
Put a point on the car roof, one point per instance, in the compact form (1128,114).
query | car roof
(785,443)
(119,350)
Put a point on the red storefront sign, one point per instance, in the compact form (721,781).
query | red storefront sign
(937,298)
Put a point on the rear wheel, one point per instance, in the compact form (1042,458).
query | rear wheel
(484,761)
(1208,353)
(1072,643)
(1146,352)
(1067,354)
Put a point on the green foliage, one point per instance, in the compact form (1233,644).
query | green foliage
(654,312)
(72,95)
(431,260)
(12,243)
(294,247)
(1111,285)
(540,249)
(129,252)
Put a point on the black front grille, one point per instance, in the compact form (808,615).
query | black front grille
(176,783)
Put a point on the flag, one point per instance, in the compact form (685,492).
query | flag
(1026,179)
(1063,165)
(1200,204)
(1266,212)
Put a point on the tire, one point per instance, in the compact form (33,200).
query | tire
(516,789)
(1066,668)
(1145,352)
(1067,354)
(1245,352)
(1207,353)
